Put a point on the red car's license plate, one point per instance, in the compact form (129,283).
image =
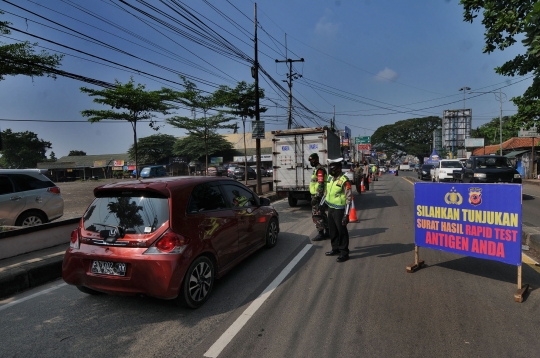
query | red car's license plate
(109,268)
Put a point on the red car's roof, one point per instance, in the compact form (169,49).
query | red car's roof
(162,185)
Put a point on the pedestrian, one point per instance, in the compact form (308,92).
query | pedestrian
(358,175)
(374,172)
(317,186)
(366,175)
(338,198)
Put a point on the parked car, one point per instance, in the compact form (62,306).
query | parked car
(263,171)
(489,169)
(230,170)
(444,170)
(168,238)
(349,173)
(154,171)
(424,173)
(239,173)
(216,171)
(28,197)
(270,171)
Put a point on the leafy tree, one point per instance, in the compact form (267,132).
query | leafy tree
(506,21)
(21,59)
(52,157)
(22,149)
(491,131)
(206,127)
(154,148)
(130,103)
(411,136)
(192,147)
(76,153)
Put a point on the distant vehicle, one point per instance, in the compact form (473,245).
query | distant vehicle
(239,173)
(168,238)
(424,173)
(216,171)
(270,171)
(153,171)
(28,198)
(404,167)
(349,173)
(417,167)
(490,169)
(263,171)
(230,170)
(445,169)
(291,149)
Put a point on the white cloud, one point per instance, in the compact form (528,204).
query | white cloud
(325,26)
(386,75)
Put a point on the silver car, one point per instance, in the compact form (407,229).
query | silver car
(27,198)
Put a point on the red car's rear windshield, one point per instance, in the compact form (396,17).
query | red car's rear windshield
(137,212)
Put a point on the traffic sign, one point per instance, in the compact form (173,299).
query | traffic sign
(531,133)
(362,140)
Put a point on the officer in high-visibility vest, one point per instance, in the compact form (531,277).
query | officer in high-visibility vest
(338,198)
(317,187)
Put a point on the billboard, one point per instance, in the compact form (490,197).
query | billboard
(456,126)
(470,219)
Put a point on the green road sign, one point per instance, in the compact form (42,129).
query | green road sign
(362,140)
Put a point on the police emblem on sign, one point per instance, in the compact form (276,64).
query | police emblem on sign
(475,196)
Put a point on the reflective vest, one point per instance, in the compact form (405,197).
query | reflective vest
(335,192)
(314,183)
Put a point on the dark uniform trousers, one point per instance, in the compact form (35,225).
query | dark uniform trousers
(339,235)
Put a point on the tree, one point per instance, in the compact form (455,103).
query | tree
(490,131)
(52,157)
(411,136)
(506,21)
(22,150)
(241,103)
(192,147)
(201,128)
(154,148)
(21,59)
(76,153)
(130,103)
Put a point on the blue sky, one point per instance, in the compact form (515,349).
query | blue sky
(375,61)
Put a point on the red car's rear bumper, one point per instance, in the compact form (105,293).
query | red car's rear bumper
(152,275)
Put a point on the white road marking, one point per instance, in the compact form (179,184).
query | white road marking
(229,334)
(13,303)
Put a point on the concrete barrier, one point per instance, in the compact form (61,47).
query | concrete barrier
(34,238)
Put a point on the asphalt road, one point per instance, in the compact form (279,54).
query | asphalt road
(368,306)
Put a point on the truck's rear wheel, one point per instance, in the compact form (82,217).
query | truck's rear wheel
(292,201)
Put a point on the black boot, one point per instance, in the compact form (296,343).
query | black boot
(319,236)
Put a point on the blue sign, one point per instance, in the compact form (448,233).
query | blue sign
(313,146)
(479,220)
(347,132)
(285,148)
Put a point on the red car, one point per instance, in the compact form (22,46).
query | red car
(168,238)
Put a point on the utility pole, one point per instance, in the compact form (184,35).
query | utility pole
(255,73)
(290,77)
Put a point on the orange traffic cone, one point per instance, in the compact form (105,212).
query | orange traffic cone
(352,213)
(362,188)
(380,173)
(369,178)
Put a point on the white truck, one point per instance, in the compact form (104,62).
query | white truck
(290,154)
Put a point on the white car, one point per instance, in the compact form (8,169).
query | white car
(444,171)
(27,198)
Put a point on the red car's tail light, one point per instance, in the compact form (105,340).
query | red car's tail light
(169,243)
(75,241)
(54,189)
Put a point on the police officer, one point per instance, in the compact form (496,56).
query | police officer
(338,198)
(317,187)
(366,175)
(358,175)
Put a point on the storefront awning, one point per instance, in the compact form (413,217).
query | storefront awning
(515,153)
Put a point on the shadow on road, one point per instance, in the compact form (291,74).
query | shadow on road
(492,270)
(382,250)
